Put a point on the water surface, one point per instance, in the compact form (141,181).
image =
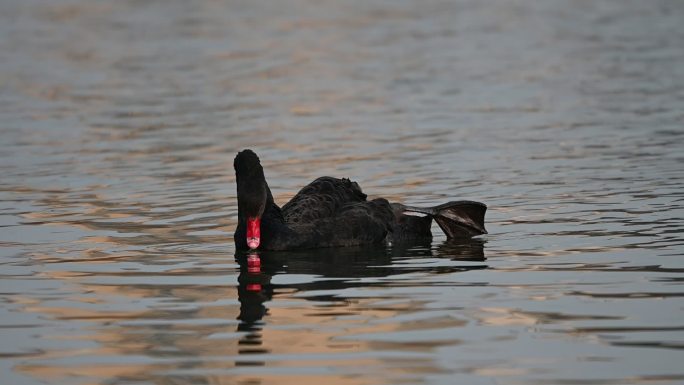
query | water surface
(119,122)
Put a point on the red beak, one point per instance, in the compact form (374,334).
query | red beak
(253,232)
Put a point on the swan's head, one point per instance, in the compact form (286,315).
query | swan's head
(252,192)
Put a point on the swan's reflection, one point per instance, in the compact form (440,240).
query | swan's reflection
(257,269)
(336,270)
(462,250)
(253,290)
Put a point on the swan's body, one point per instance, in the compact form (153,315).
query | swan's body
(332,212)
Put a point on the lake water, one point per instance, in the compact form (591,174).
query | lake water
(119,122)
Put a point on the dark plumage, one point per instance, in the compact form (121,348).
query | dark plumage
(331,212)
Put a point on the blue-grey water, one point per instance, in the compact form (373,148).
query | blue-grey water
(119,121)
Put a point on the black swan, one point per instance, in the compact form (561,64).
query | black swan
(332,212)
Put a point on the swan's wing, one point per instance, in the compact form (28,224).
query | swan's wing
(322,198)
(359,223)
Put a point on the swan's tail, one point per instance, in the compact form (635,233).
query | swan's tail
(457,219)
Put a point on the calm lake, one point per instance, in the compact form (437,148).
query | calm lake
(119,122)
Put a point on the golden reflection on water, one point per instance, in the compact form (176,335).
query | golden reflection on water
(212,344)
